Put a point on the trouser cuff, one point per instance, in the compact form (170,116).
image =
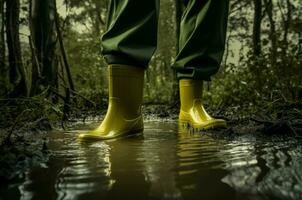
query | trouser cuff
(195,74)
(122,60)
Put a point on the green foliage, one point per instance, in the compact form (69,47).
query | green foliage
(245,81)
(256,82)
(249,81)
(17,112)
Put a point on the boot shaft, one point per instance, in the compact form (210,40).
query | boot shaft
(190,91)
(126,88)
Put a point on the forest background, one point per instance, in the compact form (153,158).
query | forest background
(51,67)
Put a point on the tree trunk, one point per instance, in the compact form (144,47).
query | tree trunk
(272,33)
(286,19)
(16,71)
(44,42)
(63,52)
(257,27)
(178,14)
(2,38)
(3,70)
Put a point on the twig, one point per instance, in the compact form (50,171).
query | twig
(261,121)
(7,139)
(62,48)
(291,128)
(75,93)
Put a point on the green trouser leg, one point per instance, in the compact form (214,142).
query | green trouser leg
(131,36)
(202,39)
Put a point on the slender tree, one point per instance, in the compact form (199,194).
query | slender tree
(178,13)
(272,34)
(286,21)
(44,42)
(3,76)
(2,37)
(257,27)
(17,76)
(62,48)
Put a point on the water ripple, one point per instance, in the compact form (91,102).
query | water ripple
(168,162)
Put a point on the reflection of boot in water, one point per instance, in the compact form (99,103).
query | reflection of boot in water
(123,116)
(200,170)
(127,170)
(192,111)
(160,164)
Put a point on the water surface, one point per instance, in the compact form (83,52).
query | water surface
(166,162)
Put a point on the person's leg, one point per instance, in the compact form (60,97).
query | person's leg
(131,36)
(127,46)
(202,39)
(201,47)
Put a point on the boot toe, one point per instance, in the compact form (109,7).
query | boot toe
(211,124)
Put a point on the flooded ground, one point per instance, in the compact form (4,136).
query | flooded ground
(166,162)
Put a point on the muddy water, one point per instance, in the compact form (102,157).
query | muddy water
(167,162)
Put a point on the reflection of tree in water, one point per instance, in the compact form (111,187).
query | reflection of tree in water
(268,170)
(42,182)
(73,172)
(165,165)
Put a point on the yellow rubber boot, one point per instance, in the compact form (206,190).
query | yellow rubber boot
(123,116)
(192,111)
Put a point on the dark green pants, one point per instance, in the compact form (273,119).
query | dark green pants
(131,37)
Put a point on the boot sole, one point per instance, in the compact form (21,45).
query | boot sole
(221,124)
(125,134)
